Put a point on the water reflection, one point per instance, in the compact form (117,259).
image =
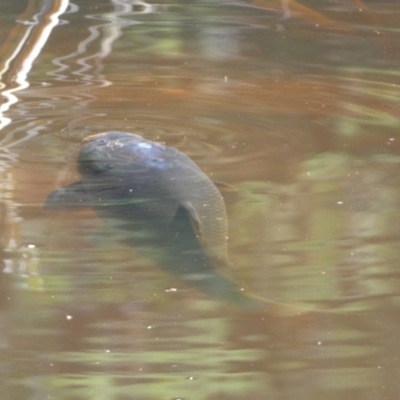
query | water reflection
(22,47)
(301,119)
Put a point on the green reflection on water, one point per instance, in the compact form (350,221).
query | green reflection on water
(197,366)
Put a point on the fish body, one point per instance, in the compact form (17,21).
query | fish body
(165,206)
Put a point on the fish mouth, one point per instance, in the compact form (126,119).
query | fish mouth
(95,156)
(111,136)
(93,137)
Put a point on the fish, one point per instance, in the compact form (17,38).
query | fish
(166,207)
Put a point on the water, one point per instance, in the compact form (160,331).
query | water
(295,107)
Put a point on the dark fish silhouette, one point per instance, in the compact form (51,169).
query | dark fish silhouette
(164,205)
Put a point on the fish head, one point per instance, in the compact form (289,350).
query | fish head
(114,150)
(97,153)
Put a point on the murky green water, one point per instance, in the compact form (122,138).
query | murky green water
(295,106)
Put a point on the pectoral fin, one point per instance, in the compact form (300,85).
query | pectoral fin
(70,197)
(188,226)
(192,217)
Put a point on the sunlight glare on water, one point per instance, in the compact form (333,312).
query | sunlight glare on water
(292,109)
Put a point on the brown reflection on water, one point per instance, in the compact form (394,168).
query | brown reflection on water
(303,122)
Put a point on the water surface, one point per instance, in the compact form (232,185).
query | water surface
(295,106)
